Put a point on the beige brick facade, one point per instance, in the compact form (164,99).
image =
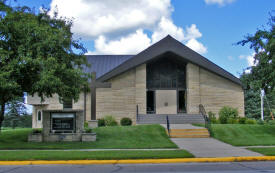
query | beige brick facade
(129,89)
(212,91)
(51,103)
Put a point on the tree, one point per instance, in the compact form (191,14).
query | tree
(263,43)
(16,107)
(37,55)
(252,99)
(262,74)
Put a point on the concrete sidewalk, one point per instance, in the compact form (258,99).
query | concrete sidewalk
(209,147)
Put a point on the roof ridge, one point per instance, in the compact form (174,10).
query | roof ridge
(170,44)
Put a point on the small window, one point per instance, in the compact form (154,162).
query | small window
(39,116)
(67,103)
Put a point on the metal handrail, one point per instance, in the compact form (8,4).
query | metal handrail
(206,119)
(168,125)
(137,117)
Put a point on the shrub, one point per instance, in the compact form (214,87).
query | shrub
(110,121)
(260,122)
(36,131)
(86,125)
(101,122)
(250,121)
(232,121)
(212,117)
(271,122)
(125,121)
(227,112)
(88,130)
(242,120)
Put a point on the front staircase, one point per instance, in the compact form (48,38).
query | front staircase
(180,125)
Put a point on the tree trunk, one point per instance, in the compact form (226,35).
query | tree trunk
(2,112)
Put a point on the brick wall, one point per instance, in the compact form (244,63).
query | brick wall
(128,90)
(53,103)
(212,91)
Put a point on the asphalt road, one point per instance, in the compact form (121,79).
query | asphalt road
(244,167)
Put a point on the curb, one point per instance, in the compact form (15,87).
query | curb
(139,161)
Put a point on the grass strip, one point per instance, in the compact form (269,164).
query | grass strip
(270,151)
(244,134)
(117,137)
(91,155)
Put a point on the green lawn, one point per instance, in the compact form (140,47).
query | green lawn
(92,155)
(244,134)
(127,137)
(264,151)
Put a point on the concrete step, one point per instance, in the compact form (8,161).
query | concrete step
(189,136)
(188,133)
(188,130)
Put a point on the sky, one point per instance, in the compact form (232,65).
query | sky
(210,27)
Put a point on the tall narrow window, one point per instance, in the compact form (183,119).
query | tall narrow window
(39,116)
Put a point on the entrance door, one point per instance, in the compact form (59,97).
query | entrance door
(181,101)
(151,102)
(166,101)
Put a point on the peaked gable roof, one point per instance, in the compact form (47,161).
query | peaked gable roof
(168,44)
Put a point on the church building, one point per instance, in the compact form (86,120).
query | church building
(167,78)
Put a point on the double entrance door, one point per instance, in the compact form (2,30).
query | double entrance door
(166,101)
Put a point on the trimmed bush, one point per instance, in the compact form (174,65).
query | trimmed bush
(260,122)
(101,122)
(36,131)
(250,121)
(227,112)
(232,121)
(271,122)
(212,117)
(242,120)
(88,130)
(110,121)
(125,121)
(86,125)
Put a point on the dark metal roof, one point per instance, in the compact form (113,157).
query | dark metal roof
(101,64)
(167,44)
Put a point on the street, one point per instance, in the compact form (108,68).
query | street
(251,167)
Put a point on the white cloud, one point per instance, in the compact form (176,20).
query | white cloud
(196,46)
(250,61)
(108,17)
(219,2)
(117,27)
(129,44)
(165,27)
(192,32)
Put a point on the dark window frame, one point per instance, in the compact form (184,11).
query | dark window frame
(166,74)
(39,115)
(67,103)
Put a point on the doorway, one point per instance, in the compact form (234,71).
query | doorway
(181,101)
(151,102)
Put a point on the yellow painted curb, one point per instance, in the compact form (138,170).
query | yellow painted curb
(139,161)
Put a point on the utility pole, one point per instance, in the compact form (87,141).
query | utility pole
(262,104)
